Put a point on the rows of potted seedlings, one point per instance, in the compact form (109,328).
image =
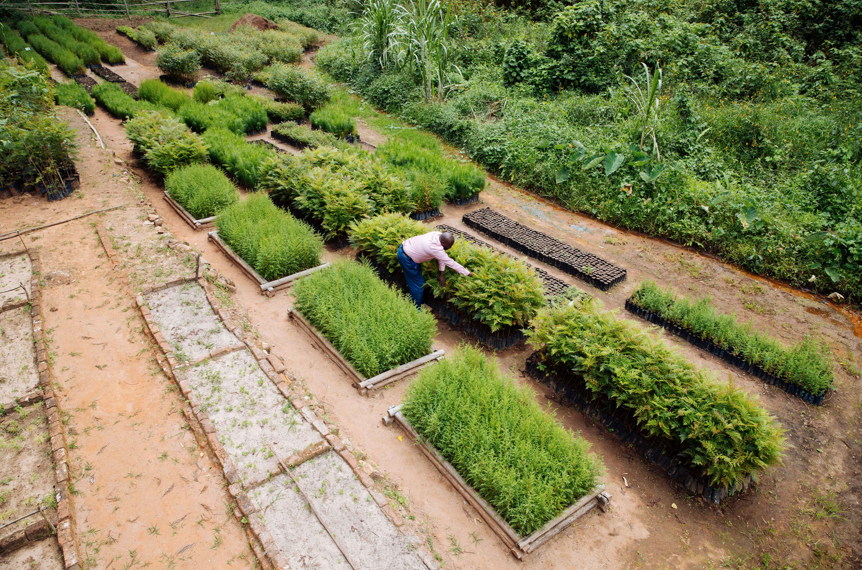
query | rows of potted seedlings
(583,265)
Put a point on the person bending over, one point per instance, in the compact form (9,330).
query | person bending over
(419,249)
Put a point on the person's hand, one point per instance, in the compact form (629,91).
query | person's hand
(441,279)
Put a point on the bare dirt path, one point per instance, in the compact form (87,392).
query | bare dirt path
(805,513)
(146,491)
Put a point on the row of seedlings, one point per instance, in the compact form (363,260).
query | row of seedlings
(269,245)
(583,265)
(803,370)
(526,475)
(68,62)
(38,146)
(434,176)
(69,46)
(710,437)
(371,331)
(331,188)
(494,304)
(15,47)
(35,476)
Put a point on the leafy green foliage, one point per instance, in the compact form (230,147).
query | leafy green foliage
(250,112)
(177,63)
(162,30)
(333,120)
(335,187)
(718,428)
(34,142)
(461,179)
(296,84)
(167,144)
(17,47)
(280,112)
(200,117)
(118,103)
(73,95)
(514,453)
(202,189)
(142,36)
(241,159)
(158,93)
(301,136)
(501,292)
(109,54)
(270,240)
(807,363)
(373,326)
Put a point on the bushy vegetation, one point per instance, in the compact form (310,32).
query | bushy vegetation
(806,363)
(178,64)
(251,113)
(202,189)
(325,17)
(48,26)
(373,326)
(501,292)
(334,187)
(15,46)
(142,36)
(296,84)
(68,62)
(158,93)
(118,103)
(166,143)
(108,53)
(73,95)
(301,136)
(279,112)
(242,160)
(36,144)
(270,240)
(333,120)
(209,89)
(515,454)
(745,143)
(717,428)
(200,118)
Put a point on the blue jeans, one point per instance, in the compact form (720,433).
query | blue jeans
(413,273)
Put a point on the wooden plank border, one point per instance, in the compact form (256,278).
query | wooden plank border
(268,288)
(358,380)
(519,546)
(202,224)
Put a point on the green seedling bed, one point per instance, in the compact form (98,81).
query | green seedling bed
(202,224)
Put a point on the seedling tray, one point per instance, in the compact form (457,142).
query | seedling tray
(553,286)
(107,74)
(519,546)
(86,82)
(360,382)
(268,288)
(586,266)
(464,201)
(429,215)
(129,89)
(654,450)
(726,355)
(202,224)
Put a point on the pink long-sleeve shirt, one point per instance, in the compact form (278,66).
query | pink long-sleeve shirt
(426,247)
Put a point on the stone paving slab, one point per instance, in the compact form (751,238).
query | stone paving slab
(19,374)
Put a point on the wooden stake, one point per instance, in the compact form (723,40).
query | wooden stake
(126,6)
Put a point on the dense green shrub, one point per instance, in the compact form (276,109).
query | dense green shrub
(333,120)
(250,112)
(142,36)
(335,187)
(716,427)
(200,118)
(87,53)
(296,84)
(156,92)
(108,53)
(516,455)
(17,47)
(501,292)
(306,36)
(270,240)
(427,190)
(241,159)
(177,63)
(274,44)
(280,112)
(68,62)
(462,179)
(205,92)
(35,142)
(162,30)
(806,363)
(167,144)
(301,136)
(373,326)
(73,95)
(119,104)
(202,189)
